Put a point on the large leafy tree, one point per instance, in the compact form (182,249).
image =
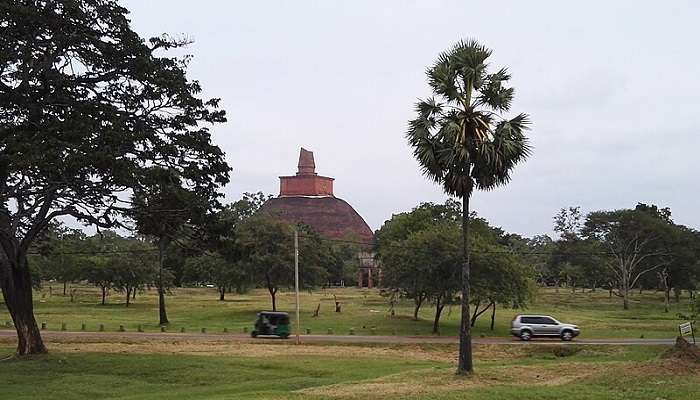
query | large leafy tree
(636,242)
(435,252)
(576,261)
(87,107)
(220,258)
(267,249)
(60,257)
(214,268)
(400,269)
(500,276)
(167,212)
(463,142)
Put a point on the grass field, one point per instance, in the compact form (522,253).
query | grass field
(281,371)
(364,310)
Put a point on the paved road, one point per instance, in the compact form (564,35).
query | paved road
(215,337)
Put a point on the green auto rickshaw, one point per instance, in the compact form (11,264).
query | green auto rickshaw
(271,324)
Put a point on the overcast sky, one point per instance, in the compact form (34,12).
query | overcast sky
(612,88)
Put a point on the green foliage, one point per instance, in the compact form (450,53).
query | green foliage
(59,255)
(460,139)
(499,276)
(267,249)
(404,249)
(119,263)
(87,109)
(92,117)
(346,262)
(214,268)
(420,257)
(163,209)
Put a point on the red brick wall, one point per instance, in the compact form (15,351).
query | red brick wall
(306,186)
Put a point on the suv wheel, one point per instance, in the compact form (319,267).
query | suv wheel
(525,335)
(567,336)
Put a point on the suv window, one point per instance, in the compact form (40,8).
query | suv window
(537,320)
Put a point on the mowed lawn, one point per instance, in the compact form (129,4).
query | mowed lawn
(261,371)
(364,311)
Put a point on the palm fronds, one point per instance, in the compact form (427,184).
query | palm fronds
(460,137)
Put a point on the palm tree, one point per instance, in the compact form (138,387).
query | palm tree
(463,142)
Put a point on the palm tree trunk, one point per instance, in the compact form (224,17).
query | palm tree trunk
(465,365)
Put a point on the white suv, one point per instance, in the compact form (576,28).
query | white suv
(528,326)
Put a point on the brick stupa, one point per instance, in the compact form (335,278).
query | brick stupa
(308,198)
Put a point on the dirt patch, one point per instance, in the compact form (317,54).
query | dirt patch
(683,350)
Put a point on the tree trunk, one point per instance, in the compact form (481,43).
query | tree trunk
(104,294)
(465,365)
(478,313)
(65,286)
(162,313)
(436,322)
(128,295)
(493,315)
(419,302)
(16,284)
(474,315)
(222,293)
(625,288)
(273,293)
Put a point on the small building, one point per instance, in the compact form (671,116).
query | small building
(308,198)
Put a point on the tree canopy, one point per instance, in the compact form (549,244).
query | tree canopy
(87,108)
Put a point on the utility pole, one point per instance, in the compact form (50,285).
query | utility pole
(296,279)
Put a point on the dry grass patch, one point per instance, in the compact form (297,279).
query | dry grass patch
(435,381)
(145,345)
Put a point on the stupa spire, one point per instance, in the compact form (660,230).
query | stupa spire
(306,164)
